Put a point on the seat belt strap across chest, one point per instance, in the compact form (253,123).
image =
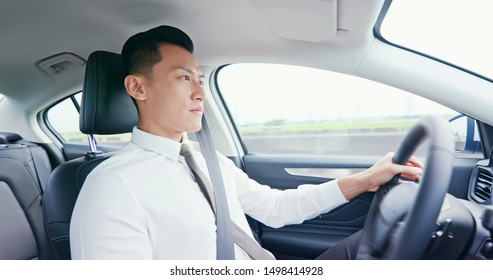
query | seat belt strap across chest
(224,244)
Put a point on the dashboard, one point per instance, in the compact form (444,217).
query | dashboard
(467,224)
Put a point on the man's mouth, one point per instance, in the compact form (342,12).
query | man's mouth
(197,110)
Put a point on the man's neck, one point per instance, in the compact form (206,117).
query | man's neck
(178,137)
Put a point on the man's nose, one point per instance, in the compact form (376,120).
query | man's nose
(198,92)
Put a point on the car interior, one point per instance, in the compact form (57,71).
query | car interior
(66,54)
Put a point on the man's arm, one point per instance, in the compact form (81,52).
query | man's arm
(277,208)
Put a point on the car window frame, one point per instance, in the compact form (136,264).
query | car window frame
(46,122)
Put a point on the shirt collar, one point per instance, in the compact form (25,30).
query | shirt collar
(158,144)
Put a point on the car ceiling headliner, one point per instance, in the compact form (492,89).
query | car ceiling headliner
(223,31)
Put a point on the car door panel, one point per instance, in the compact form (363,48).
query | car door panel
(311,238)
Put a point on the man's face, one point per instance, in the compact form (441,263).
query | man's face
(174,98)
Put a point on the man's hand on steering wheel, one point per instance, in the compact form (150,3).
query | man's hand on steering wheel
(382,171)
(379,174)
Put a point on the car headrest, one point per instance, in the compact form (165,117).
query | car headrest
(106,107)
(9,137)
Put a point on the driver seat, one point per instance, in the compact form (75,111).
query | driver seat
(106,108)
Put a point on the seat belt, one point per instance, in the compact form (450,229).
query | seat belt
(240,237)
(225,243)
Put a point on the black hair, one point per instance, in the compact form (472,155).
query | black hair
(141,51)
(143,58)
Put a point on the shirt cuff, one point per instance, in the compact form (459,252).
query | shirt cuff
(334,192)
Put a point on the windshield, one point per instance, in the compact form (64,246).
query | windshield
(458,32)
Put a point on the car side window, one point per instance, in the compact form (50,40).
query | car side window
(63,120)
(281,109)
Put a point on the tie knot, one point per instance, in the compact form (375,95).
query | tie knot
(185,150)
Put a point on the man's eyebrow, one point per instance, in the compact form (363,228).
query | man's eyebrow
(191,72)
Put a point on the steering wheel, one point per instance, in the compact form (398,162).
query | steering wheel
(402,217)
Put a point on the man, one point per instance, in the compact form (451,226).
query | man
(143,202)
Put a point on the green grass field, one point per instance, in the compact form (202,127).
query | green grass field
(282,126)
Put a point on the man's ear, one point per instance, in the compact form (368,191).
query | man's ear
(134,87)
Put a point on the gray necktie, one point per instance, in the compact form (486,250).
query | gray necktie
(240,237)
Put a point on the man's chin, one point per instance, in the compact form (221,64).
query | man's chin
(195,129)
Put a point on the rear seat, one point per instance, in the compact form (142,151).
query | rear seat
(24,171)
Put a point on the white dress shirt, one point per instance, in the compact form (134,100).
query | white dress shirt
(143,203)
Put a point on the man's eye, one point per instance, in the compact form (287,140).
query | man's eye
(201,83)
(186,78)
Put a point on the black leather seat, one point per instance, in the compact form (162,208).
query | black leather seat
(22,234)
(106,108)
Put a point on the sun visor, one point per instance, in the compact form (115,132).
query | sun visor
(302,20)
